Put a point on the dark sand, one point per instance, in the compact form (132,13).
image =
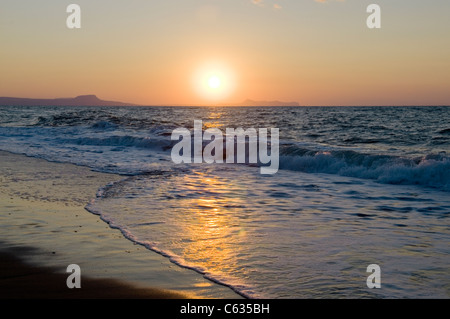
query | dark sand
(19,280)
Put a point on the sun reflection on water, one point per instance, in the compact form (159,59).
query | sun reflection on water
(209,224)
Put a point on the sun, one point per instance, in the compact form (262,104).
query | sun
(214,82)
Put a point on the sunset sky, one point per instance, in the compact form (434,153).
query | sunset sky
(193,52)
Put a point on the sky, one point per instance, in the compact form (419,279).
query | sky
(207,52)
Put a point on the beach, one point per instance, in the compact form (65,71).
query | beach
(345,196)
(45,228)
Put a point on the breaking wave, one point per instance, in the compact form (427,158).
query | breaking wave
(432,170)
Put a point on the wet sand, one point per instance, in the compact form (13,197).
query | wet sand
(45,228)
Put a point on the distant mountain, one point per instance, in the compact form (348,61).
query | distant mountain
(268,103)
(82,100)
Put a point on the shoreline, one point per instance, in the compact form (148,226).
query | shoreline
(45,227)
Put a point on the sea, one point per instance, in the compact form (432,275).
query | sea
(356,186)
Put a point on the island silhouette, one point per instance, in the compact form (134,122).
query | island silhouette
(82,100)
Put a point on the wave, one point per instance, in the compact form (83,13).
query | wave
(104,125)
(55,143)
(432,170)
(444,131)
(121,141)
(73,118)
(98,120)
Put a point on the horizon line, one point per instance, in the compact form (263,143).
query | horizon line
(134,104)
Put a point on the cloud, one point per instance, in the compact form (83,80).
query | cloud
(261,3)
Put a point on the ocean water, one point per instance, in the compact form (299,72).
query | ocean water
(356,186)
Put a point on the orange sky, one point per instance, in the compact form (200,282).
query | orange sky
(161,52)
